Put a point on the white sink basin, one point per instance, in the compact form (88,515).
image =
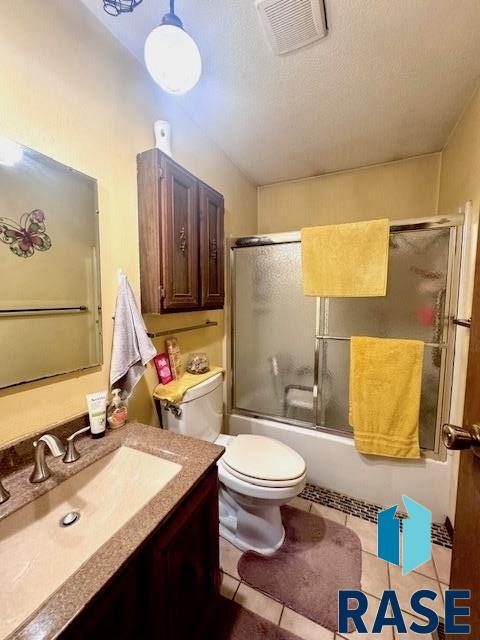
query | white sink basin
(37,555)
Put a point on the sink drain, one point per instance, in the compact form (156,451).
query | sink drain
(69,519)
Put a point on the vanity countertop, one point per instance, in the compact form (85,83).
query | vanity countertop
(195,457)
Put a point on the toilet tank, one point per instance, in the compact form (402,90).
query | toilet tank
(201,411)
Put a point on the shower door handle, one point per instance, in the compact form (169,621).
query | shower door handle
(457,438)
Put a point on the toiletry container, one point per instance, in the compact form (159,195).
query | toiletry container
(117,411)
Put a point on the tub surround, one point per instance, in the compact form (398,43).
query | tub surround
(196,458)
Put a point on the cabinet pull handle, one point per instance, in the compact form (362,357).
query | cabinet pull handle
(213,249)
(183,240)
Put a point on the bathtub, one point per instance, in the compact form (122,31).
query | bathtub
(334,463)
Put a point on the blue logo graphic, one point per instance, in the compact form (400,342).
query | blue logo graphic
(415,550)
(416,539)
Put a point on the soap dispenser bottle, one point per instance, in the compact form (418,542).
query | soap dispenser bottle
(117,410)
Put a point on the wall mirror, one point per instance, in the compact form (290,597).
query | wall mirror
(50,305)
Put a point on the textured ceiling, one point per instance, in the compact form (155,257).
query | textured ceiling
(388,82)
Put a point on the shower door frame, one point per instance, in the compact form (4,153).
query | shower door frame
(447,344)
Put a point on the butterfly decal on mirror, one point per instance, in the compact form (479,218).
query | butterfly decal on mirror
(27,236)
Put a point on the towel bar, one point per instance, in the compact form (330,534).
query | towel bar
(43,311)
(434,345)
(171,332)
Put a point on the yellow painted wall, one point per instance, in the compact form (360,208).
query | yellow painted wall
(460,175)
(69,90)
(403,189)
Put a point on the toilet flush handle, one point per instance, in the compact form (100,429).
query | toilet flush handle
(173,408)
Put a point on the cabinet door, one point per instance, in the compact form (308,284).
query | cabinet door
(184,572)
(118,611)
(149,178)
(211,248)
(179,239)
(193,571)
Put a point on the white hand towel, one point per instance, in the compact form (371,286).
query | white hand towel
(132,348)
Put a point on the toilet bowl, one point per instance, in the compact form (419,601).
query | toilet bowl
(257,474)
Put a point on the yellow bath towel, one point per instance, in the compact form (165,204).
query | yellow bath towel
(385,387)
(175,390)
(346,260)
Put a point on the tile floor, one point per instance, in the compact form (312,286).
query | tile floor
(376,577)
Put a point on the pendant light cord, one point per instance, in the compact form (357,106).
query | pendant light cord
(172,19)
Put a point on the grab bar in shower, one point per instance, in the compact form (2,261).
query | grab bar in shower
(434,345)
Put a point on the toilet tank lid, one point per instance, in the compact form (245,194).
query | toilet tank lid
(263,458)
(203,388)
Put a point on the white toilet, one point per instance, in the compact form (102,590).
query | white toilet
(257,474)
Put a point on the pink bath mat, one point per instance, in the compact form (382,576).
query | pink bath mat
(318,558)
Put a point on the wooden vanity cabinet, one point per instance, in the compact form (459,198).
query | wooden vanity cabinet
(169,589)
(181,238)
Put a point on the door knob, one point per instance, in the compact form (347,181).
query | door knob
(458,438)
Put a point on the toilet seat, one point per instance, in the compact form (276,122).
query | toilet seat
(263,461)
(260,482)
(271,461)
(247,488)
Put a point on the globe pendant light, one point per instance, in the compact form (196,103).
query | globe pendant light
(172,56)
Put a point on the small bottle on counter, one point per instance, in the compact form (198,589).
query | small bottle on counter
(117,412)
(97,413)
(174,356)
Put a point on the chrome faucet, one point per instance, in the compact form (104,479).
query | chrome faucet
(4,494)
(72,454)
(41,472)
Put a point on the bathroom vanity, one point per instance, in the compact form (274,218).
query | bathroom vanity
(155,576)
(168,588)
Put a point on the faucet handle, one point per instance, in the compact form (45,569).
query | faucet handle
(4,494)
(72,453)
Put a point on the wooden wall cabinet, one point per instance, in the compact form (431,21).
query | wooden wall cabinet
(181,238)
(211,248)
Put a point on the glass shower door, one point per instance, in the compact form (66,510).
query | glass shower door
(282,370)
(274,333)
(415,307)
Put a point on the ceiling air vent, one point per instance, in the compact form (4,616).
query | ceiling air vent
(292,24)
